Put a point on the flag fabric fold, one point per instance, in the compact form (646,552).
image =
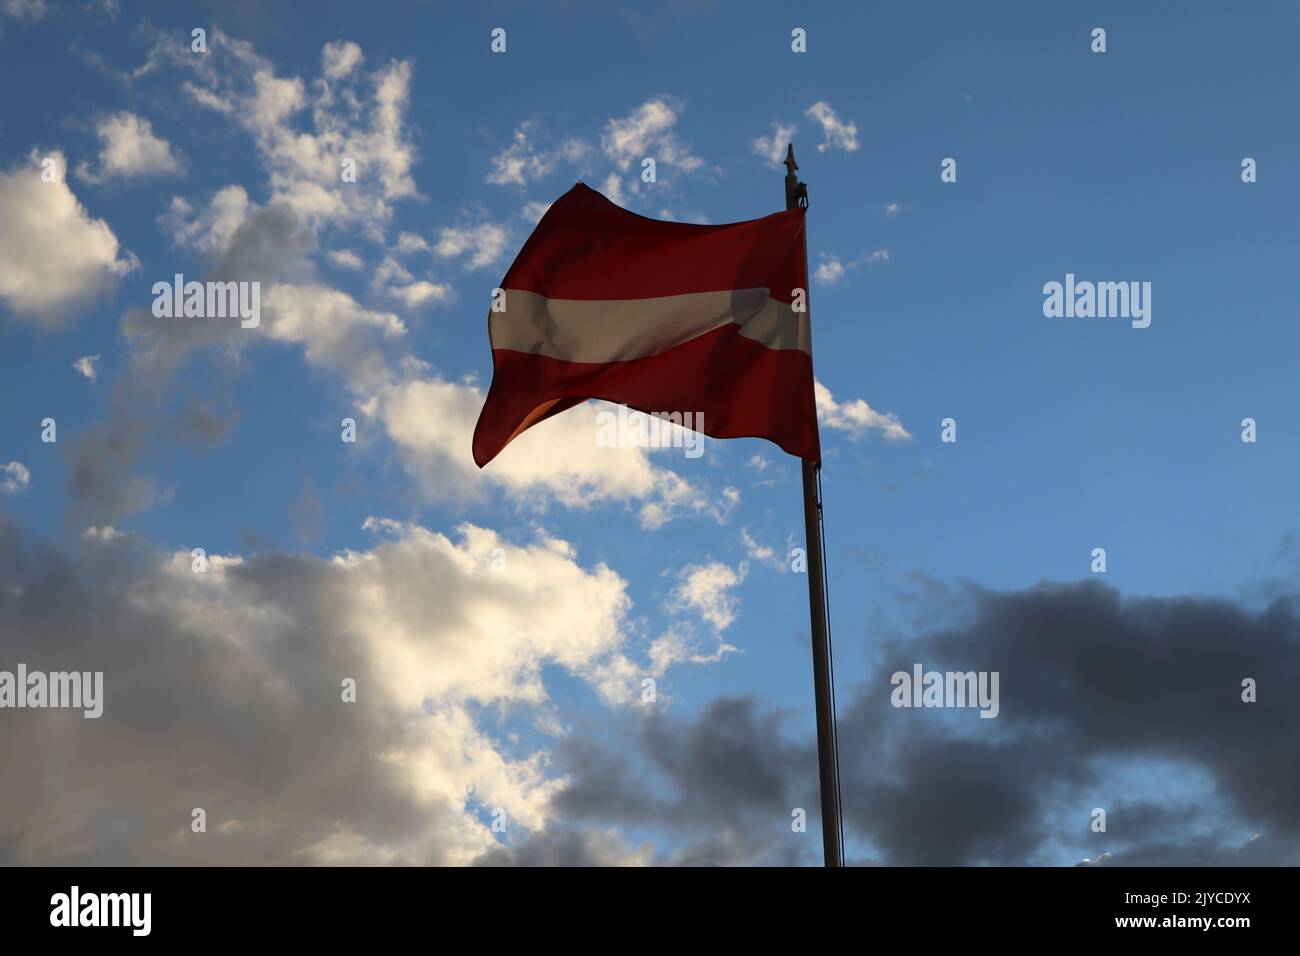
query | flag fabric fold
(663,317)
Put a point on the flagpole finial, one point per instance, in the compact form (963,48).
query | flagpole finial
(790,164)
(796,193)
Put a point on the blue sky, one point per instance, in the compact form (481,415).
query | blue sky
(1072,434)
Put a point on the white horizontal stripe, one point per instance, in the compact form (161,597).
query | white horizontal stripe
(618,330)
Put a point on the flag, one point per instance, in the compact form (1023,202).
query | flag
(660,316)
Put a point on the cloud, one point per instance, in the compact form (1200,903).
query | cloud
(100,462)
(222,690)
(613,190)
(648,131)
(534,211)
(707,589)
(856,417)
(836,133)
(762,553)
(208,231)
(1129,705)
(409,242)
(478,246)
(773,148)
(674,774)
(1188,774)
(431,421)
(523,161)
(303,130)
(14,477)
(421,293)
(892,209)
(128,149)
(830,271)
(345,259)
(239,241)
(53,256)
(335,331)
(31,10)
(88,365)
(199,421)
(340,59)
(564,847)
(393,280)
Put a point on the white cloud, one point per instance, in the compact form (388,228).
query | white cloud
(422,293)
(335,331)
(837,133)
(211,230)
(856,417)
(53,255)
(534,211)
(830,271)
(303,131)
(773,148)
(707,589)
(408,242)
(339,59)
(88,365)
(523,161)
(613,190)
(482,245)
(892,209)
(14,477)
(345,259)
(648,131)
(760,552)
(129,148)
(432,423)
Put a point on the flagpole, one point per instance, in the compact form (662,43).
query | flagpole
(824,701)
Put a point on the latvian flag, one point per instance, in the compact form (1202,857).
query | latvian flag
(659,316)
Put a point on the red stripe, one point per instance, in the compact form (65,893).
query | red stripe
(743,388)
(586,247)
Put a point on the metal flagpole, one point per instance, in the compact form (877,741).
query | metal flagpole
(796,194)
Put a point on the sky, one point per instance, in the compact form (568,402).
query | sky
(500,626)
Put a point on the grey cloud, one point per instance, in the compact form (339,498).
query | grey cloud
(1095,691)
(249,728)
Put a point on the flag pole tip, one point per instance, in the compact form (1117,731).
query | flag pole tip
(790,164)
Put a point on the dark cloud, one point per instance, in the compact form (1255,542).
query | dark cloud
(565,847)
(724,785)
(202,424)
(101,461)
(224,695)
(1104,702)
(104,459)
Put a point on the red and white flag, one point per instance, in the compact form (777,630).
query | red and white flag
(659,316)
